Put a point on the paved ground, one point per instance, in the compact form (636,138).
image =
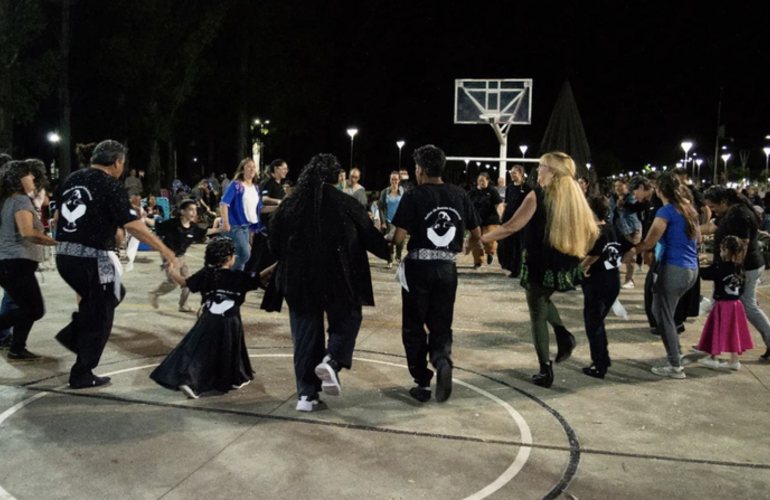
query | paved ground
(630,436)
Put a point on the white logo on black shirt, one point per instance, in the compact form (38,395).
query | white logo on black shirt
(442,230)
(74,207)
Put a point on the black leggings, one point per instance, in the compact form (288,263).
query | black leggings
(17,277)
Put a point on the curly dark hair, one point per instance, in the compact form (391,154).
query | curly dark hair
(84,153)
(11,174)
(218,251)
(431,159)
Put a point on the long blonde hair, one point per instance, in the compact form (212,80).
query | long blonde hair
(572,227)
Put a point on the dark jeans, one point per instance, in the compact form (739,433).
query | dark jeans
(90,328)
(17,277)
(7,306)
(429,302)
(307,333)
(600,291)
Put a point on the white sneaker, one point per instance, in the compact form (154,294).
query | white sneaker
(327,372)
(669,371)
(187,390)
(153,300)
(236,387)
(305,404)
(711,363)
(628,285)
(730,366)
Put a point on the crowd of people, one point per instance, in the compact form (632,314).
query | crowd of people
(309,245)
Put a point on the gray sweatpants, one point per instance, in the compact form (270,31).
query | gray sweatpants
(671,284)
(754,313)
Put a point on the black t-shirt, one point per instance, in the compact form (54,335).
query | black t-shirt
(92,205)
(436,217)
(485,202)
(222,290)
(272,189)
(514,197)
(610,248)
(740,221)
(177,237)
(727,284)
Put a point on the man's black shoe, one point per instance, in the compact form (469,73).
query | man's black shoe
(765,358)
(443,380)
(489,259)
(24,355)
(88,383)
(421,394)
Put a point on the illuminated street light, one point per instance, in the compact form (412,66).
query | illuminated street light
(698,162)
(726,157)
(523,148)
(400,145)
(54,138)
(352,133)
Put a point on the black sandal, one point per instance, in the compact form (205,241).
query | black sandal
(593,371)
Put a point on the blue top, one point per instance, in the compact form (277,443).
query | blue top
(233,199)
(677,248)
(393,204)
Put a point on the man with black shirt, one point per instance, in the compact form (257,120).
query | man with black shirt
(435,215)
(178,234)
(91,205)
(736,217)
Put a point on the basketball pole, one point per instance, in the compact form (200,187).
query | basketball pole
(502,138)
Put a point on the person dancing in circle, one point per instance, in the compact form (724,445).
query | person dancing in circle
(559,230)
(213,354)
(727,328)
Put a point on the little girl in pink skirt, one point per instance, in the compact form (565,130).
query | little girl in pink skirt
(726,329)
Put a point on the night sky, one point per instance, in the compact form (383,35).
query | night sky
(644,77)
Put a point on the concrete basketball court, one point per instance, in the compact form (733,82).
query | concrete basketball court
(630,436)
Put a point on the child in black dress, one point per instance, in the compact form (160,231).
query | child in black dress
(213,354)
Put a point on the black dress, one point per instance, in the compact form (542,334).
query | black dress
(213,354)
(509,249)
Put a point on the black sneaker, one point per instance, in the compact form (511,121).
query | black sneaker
(477,266)
(5,342)
(443,380)
(421,394)
(91,382)
(489,259)
(24,355)
(328,371)
(765,358)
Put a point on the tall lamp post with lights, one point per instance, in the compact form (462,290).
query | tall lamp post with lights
(54,139)
(698,162)
(400,145)
(523,148)
(686,145)
(352,133)
(726,157)
(766,149)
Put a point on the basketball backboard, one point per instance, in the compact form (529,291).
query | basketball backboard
(506,101)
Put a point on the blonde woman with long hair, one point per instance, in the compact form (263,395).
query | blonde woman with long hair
(559,229)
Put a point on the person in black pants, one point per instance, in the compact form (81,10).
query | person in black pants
(321,237)
(601,285)
(21,241)
(91,205)
(435,215)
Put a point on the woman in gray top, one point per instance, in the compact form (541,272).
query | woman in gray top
(21,240)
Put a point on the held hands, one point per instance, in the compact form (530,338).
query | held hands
(266,275)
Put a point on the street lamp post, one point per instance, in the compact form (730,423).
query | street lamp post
(352,133)
(523,148)
(400,145)
(686,145)
(698,162)
(54,139)
(767,159)
(726,157)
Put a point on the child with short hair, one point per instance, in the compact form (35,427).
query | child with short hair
(213,354)
(726,329)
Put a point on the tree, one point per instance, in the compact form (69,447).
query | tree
(26,71)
